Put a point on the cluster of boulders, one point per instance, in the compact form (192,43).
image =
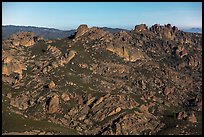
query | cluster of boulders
(136,123)
(91,109)
(24,38)
(62,60)
(11,66)
(54,51)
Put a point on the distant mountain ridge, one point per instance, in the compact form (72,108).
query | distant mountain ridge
(46,33)
(193,30)
(52,33)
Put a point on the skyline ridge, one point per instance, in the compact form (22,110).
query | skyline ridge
(68,15)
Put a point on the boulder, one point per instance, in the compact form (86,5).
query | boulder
(71,55)
(51,85)
(52,104)
(65,97)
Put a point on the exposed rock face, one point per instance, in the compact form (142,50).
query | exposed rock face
(81,30)
(12,66)
(51,85)
(7,69)
(121,46)
(140,27)
(24,38)
(52,105)
(96,33)
(65,97)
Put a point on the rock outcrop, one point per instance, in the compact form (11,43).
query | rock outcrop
(122,47)
(81,30)
(52,104)
(140,27)
(24,39)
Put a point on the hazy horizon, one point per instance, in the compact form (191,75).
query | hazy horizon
(125,15)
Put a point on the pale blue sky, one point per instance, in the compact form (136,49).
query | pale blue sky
(69,15)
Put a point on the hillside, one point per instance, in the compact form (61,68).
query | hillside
(147,81)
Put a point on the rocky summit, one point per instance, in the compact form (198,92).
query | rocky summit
(147,81)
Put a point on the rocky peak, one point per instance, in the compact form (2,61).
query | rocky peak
(140,27)
(81,30)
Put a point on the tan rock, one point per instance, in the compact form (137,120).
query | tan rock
(96,33)
(83,65)
(27,42)
(71,55)
(8,59)
(90,100)
(17,68)
(9,95)
(118,109)
(144,108)
(167,91)
(52,105)
(98,101)
(82,117)
(54,64)
(51,85)
(15,42)
(65,97)
(192,118)
(88,122)
(5,70)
